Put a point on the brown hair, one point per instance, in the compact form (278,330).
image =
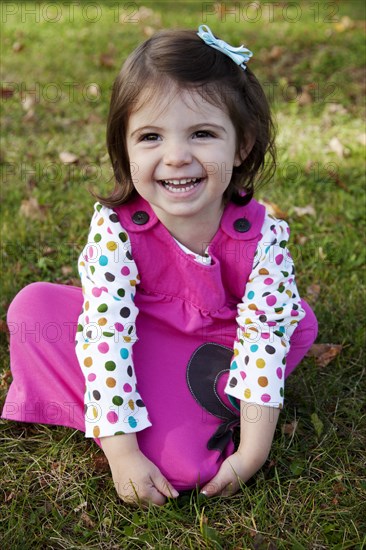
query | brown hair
(181,58)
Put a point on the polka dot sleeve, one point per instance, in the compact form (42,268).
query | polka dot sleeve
(267,317)
(106,330)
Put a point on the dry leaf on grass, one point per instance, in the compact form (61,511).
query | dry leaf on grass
(4,327)
(336,146)
(312,292)
(304,98)
(148,15)
(18,47)
(30,208)
(93,90)
(275,53)
(68,158)
(66,270)
(290,429)
(28,102)
(344,24)
(81,506)
(107,60)
(101,464)
(6,93)
(5,379)
(361,138)
(308,210)
(324,353)
(87,521)
(148,31)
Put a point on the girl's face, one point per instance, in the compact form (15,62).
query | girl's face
(182,152)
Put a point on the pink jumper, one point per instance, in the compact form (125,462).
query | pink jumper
(186,328)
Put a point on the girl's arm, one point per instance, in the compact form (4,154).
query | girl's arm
(106,330)
(257,427)
(105,336)
(267,317)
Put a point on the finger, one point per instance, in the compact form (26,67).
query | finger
(164,487)
(218,484)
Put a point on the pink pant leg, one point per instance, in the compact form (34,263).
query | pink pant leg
(48,385)
(302,339)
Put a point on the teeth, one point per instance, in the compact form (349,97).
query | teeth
(174,187)
(181,181)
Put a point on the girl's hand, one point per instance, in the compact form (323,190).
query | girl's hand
(257,427)
(136,479)
(235,469)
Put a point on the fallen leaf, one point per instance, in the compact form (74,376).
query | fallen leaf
(93,90)
(81,506)
(48,250)
(275,53)
(9,496)
(29,116)
(31,209)
(5,379)
(290,429)
(338,488)
(18,47)
(28,102)
(145,13)
(301,239)
(6,93)
(273,209)
(66,270)
(93,118)
(362,138)
(304,98)
(101,464)
(4,327)
(336,146)
(106,60)
(68,158)
(312,292)
(344,24)
(87,521)
(324,353)
(308,210)
(336,108)
(148,31)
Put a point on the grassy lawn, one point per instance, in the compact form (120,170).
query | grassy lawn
(58,63)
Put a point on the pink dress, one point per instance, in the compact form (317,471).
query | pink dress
(177,391)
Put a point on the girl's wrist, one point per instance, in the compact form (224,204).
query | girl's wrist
(115,445)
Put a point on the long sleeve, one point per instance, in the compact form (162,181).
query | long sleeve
(106,329)
(267,317)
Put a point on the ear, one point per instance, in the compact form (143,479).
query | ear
(243,152)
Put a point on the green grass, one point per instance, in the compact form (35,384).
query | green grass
(57,492)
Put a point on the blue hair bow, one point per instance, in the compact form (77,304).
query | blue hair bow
(239,55)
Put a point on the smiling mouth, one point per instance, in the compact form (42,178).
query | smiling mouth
(180,185)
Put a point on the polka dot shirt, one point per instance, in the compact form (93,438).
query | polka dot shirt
(267,317)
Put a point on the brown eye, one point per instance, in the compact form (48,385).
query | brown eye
(149,137)
(203,134)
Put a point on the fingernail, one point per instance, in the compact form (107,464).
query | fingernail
(204,493)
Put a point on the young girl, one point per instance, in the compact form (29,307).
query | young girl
(190,316)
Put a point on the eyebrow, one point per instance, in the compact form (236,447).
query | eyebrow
(190,129)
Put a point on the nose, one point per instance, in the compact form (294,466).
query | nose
(177,153)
